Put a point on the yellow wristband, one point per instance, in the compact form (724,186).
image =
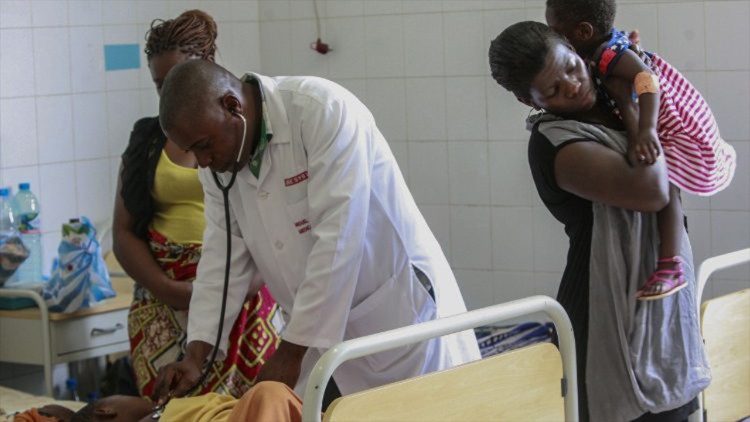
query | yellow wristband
(646,83)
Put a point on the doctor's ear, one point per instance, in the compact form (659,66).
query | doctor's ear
(232,104)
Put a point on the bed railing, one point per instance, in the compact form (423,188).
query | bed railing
(358,347)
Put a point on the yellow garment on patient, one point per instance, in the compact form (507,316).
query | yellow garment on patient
(211,407)
(178,202)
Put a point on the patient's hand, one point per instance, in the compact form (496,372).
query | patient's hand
(58,412)
(284,365)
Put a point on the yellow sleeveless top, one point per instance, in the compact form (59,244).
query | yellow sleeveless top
(178,202)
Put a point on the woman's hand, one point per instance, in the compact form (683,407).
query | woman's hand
(173,293)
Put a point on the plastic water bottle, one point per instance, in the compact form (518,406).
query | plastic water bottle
(26,210)
(7,228)
(72,385)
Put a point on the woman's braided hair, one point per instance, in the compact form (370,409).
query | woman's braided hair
(193,32)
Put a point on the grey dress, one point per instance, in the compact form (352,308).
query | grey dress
(637,357)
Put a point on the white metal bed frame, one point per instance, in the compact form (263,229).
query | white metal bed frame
(358,347)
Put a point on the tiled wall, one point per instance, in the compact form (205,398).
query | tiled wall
(421,67)
(64,120)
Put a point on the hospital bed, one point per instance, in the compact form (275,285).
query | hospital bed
(725,325)
(12,401)
(534,383)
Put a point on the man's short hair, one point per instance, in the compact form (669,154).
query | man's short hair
(599,13)
(190,87)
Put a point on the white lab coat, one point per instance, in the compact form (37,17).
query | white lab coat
(335,232)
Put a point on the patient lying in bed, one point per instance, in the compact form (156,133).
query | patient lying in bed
(266,401)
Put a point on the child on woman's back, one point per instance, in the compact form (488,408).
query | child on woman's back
(670,115)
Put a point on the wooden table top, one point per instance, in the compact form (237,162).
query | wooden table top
(122,285)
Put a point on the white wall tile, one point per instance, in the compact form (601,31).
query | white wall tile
(238,49)
(94,193)
(273,9)
(301,9)
(728,94)
(85,12)
(699,233)
(438,218)
(547,283)
(90,126)
(462,5)
(428,178)
(305,60)
(358,87)
(58,194)
(119,124)
(384,38)
(16,63)
(737,195)
(642,17)
(51,61)
(222,11)
(347,38)
(425,108)
(423,45)
(382,7)
(276,47)
(681,35)
(466,106)
(550,242)
(495,21)
(730,231)
(114,174)
(386,99)
(245,10)
(119,12)
(471,234)
(49,13)
(178,6)
(337,8)
(502,4)
(513,285)
(506,116)
(148,10)
(149,102)
(400,151)
(421,6)
(55,128)
(727,31)
(15,14)
(510,178)
(512,238)
(465,46)
(87,58)
(469,173)
(18,140)
(124,34)
(476,287)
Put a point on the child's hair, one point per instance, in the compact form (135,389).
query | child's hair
(518,54)
(599,13)
(85,414)
(193,32)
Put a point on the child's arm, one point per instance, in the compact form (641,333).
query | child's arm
(643,142)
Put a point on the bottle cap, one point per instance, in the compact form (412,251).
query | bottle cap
(4,192)
(24,186)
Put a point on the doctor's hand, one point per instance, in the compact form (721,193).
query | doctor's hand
(178,378)
(284,365)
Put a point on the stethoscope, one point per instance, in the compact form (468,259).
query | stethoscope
(157,411)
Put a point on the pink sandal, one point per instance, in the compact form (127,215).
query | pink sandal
(668,282)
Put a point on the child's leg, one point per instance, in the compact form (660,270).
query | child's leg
(668,277)
(670,220)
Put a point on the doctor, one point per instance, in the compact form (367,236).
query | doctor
(321,210)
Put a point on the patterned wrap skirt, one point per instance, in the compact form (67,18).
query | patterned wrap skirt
(158,332)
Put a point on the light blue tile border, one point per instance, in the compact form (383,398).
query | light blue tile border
(121,56)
